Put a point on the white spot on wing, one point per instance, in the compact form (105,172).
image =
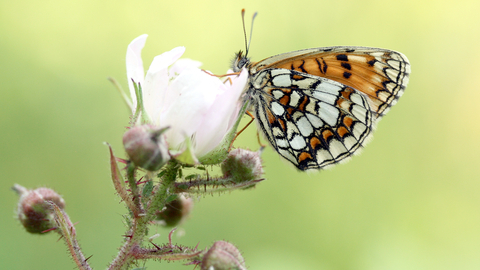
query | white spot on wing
(277,94)
(281,81)
(298,142)
(358,130)
(394,64)
(282,143)
(360,113)
(279,71)
(337,148)
(294,98)
(316,122)
(324,97)
(349,142)
(329,87)
(328,114)
(305,83)
(323,155)
(277,108)
(304,126)
(392,74)
(356,98)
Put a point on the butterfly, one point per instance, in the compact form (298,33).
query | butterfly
(318,107)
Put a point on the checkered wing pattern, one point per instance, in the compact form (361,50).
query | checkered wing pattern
(318,107)
(311,121)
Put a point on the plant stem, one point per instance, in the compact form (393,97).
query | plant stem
(134,189)
(138,230)
(164,189)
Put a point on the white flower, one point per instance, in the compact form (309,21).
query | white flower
(199,109)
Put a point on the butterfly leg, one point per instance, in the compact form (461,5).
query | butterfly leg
(260,142)
(228,79)
(220,76)
(224,75)
(238,133)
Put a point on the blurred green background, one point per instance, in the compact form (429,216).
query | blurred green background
(410,201)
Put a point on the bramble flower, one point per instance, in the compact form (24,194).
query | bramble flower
(200,110)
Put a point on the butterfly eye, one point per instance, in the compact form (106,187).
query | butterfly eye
(239,62)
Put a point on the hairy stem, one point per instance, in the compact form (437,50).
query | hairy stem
(164,189)
(67,230)
(134,189)
(138,229)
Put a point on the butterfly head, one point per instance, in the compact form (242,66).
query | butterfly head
(239,61)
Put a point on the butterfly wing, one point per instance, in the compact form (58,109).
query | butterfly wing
(380,74)
(311,121)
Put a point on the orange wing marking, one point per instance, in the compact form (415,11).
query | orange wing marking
(304,156)
(354,70)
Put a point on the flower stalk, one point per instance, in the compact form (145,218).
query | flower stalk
(67,230)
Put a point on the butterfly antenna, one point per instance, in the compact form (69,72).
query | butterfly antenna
(244,31)
(251,31)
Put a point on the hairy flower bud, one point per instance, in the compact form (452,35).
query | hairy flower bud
(175,212)
(243,165)
(34,212)
(146,147)
(222,256)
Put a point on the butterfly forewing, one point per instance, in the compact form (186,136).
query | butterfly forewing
(380,74)
(318,107)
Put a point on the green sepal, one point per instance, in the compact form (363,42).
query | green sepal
(187,156)
(140,111)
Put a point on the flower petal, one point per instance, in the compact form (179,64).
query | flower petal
(181,65)
(157,80)
(190,96)
(221,115)
(135,65)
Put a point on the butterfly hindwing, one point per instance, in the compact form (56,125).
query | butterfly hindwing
(311,121)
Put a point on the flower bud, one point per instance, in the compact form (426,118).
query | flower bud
(146,147)
(222,256)
(34,212)
(243,165)
(175,212)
